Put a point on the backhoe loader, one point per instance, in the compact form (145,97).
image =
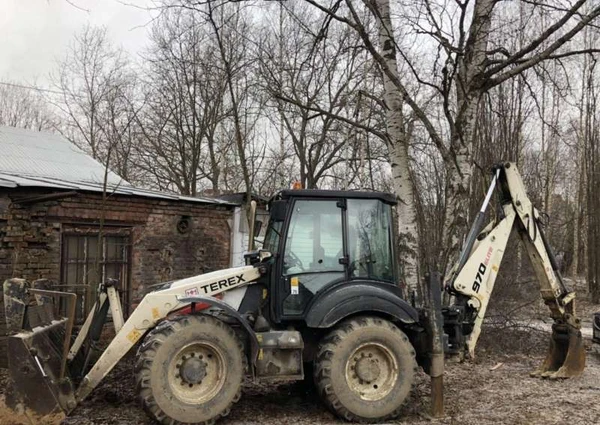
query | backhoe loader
(323,291)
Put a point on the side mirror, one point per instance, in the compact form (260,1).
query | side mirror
(257,227)
(277,210)
(252,221)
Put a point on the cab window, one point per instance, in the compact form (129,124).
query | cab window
(370,239)
(313,247)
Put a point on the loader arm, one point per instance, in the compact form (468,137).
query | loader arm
(473,277)
(154,307)
(42,385)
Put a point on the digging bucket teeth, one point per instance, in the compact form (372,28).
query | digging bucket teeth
(38,344)
(566,355)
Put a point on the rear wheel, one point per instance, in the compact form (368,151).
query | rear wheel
(190,370)
(365,369)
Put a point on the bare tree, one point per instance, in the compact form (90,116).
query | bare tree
(24,107)
(228,26)
(184,106)
(94,81)
(322,82)
(313,84)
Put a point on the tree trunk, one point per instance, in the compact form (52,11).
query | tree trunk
(459,165)
(458,190)
(594,231)
(399,156)
(579,196)
(407,217)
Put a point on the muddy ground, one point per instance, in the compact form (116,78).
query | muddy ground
(493,389)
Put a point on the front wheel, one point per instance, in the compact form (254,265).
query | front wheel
(190,370)
(365,369)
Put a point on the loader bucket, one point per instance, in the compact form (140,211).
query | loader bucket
(34,361)
(566,356)
(38,384)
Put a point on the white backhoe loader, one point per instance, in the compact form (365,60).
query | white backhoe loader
(323,290)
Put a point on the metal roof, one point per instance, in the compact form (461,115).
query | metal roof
(239,198)
(40,159)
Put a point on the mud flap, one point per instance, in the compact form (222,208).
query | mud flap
(566,356)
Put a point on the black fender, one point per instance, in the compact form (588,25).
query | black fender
(354,297)
(234,314)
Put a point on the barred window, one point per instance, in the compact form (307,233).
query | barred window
(86,261)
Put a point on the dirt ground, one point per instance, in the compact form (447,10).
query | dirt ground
(493,389)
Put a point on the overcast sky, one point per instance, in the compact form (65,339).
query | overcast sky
(34,33)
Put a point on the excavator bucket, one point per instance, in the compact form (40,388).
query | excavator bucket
(566,355)
(38,344)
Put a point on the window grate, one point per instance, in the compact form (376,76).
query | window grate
(88,260)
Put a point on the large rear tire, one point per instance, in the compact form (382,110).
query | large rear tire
(190,370)
(365,369)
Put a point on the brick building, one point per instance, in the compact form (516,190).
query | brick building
(57,222)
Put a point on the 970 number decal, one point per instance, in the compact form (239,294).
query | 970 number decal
(479,277)
(481,270)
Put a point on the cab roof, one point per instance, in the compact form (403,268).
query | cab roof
(387,198)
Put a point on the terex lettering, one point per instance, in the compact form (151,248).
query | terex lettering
(223,284)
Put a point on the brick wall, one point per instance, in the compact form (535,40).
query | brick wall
(30,235)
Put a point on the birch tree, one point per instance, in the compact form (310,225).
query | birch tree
(467,66)
(399,131)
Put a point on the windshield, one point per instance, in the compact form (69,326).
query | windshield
(272,235)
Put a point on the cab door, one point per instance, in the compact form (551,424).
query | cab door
(314,253)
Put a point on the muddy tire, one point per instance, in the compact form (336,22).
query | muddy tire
(365,369)
(190,370)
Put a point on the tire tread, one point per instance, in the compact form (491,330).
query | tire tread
(323,365)
(146,351)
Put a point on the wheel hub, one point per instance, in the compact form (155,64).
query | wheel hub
(193,370)
(367,369)
(371,371)
(197,372)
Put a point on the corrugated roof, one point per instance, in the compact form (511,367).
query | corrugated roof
(39,154)
(40,159)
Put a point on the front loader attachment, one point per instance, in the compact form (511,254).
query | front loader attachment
(51,372)
(34,360)
(39,384)
(566,355)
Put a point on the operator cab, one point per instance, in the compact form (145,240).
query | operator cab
(323,238)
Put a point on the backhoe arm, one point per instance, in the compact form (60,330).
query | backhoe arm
(473,277)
